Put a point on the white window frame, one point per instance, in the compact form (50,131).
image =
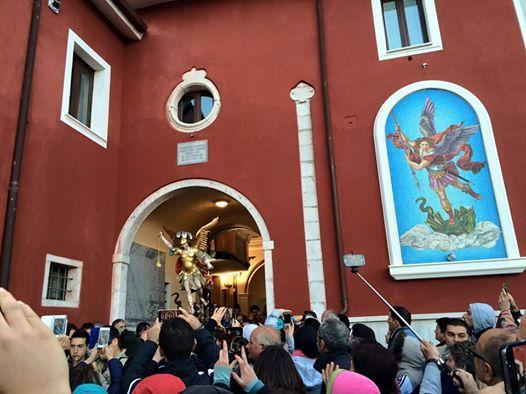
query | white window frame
(98,131)
(193,79)
(513,264)
(520,8)
(433,31)
(75,273)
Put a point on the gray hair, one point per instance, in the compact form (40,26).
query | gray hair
(335,334)
(267,336)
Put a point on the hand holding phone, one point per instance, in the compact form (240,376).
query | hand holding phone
(513,357)
(104,337)
(457,380)
(287,318)
(464,381)
(165,314)
(57,323)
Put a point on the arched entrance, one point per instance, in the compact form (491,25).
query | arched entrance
(121,257)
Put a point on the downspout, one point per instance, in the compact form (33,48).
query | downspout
(332,166)
(9,223)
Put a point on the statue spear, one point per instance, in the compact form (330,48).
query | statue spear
(415,178)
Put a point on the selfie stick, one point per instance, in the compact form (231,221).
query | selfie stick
(355,270)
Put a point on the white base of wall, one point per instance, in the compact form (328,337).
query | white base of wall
(423,323)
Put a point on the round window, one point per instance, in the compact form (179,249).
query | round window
(195,106)
(194,103)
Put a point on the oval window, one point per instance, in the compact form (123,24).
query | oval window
(195,106)
(194,103)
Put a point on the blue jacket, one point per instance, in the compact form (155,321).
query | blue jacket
(311,378)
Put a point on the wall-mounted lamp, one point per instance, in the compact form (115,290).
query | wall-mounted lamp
(54,5)
(221,203)
(227,281)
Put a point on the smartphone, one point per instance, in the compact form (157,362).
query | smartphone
(165,314)
(233,332)
(104,337)
(456,379)
(226,321)
(506,287)
(287,319)
(513,358)
(93,337)
(56,323)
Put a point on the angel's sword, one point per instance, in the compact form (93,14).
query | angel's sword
(458,176)
(415,178)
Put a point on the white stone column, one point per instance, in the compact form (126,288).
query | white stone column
(267,247)
(301,95)
(118,287)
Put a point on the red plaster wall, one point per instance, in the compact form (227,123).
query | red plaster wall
(255,52)
(14,28)
(76,196)
(486,58)
(68,183)
(254,57)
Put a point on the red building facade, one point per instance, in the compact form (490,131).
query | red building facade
(76,195)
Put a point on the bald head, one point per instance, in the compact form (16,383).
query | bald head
(488,346)
(260,338)
(328,314)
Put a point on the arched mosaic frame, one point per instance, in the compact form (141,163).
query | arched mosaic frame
(511,263)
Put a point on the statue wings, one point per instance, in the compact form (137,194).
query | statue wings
(455,138)
(427,119)
(201,241)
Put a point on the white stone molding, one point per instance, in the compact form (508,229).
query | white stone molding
(117,18)
(121,255)
(98,131)
(520,9)
(513,264)
(192,80)
(301,95)
(73,286)
(423,323)
(433,32)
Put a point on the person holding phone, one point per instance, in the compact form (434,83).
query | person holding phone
(111,353)
(78,348)
(177,338)
(488,365)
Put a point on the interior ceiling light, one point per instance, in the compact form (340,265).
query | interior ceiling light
(221,203)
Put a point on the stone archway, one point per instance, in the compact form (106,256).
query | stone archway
(121,256)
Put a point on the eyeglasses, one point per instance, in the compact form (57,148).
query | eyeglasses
(473,353)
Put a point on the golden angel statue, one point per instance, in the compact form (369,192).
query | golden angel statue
(192,259)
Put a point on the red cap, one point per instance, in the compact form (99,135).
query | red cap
(163,383)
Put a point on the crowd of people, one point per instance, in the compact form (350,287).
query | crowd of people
(257,353)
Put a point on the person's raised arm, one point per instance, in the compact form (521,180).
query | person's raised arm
(165,241)
(404,138)
(139,366)
(207,350)
(22,333)
(115,367)
(431,383)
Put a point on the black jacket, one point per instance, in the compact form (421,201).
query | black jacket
(341,358)
(142,365)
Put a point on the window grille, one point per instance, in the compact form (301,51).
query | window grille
(58,282)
